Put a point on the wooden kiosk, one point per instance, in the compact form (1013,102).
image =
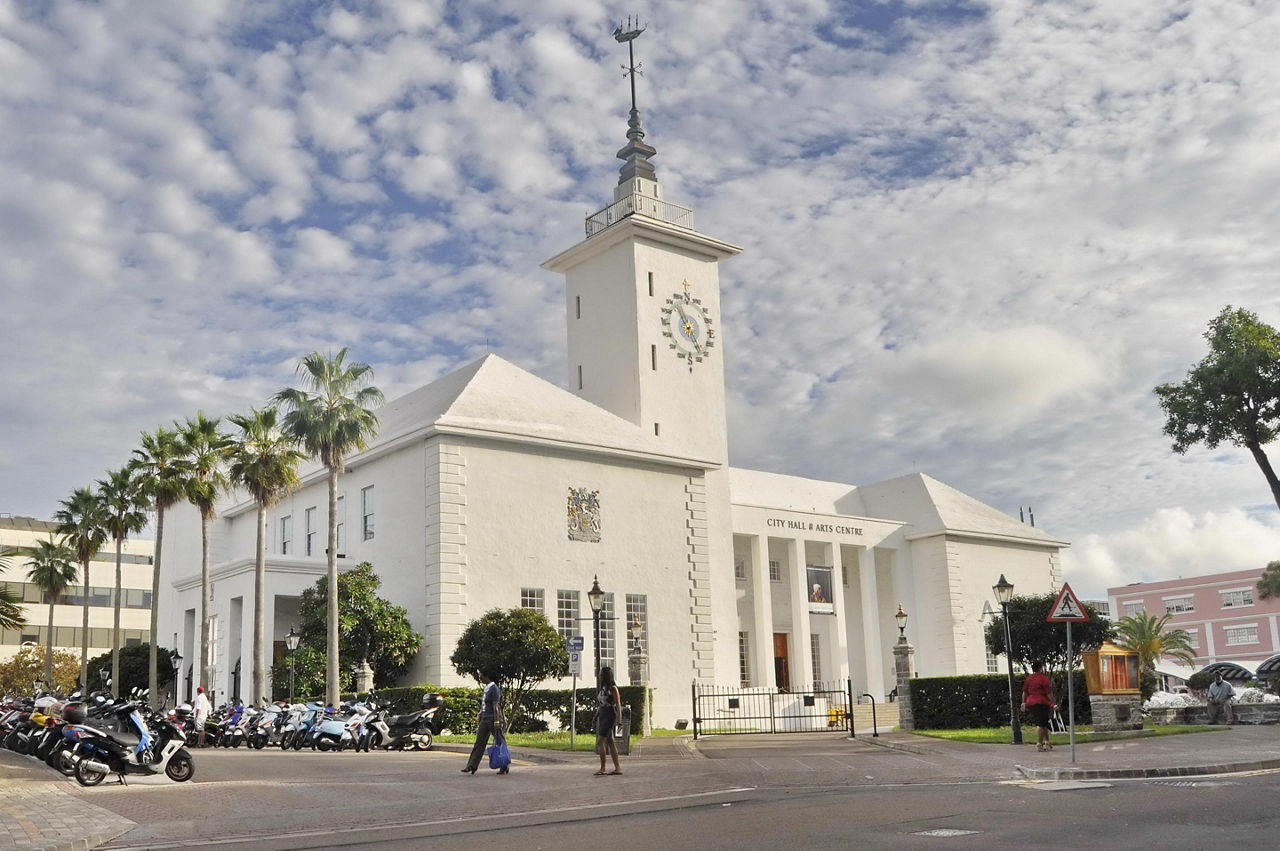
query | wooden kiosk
(1112,676)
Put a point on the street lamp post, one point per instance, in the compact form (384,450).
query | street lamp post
(291,641)
(901,618)
(596,598)
(104,674)
(177,666)
(1004,592)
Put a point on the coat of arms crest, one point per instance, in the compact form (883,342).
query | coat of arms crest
(584,515)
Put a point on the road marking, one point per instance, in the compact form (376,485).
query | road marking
(488,818)
(945,831)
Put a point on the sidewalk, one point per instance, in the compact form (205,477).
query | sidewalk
(35,813)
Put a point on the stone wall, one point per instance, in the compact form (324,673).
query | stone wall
(1245,713)
(1116,712)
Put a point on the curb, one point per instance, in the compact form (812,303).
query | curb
(1129,773)
(888,745)
(85,843)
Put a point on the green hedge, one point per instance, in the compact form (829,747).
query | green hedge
(462,704)
(982,700)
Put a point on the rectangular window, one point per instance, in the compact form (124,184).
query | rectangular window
(993,663)
(579,376)
(286,534)
(740,569)
(655,429)
(815,649)
(531,598)
(1194,641)
(567,613)
(1177,605)
(653,358)
(608,655)
(1134,609)
(775,571)
(309,521)
(637,624)
(1236,598)
(1242,634)
(650,285)
(577,307)
(744,660)
(341,530)
(366,512)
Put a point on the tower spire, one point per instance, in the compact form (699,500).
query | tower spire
(635,153)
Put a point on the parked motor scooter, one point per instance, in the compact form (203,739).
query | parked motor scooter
(407,730)
(137,750)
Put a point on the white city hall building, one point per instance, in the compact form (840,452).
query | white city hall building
(491,487)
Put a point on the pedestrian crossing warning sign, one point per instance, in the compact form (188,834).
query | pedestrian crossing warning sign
(1067,608)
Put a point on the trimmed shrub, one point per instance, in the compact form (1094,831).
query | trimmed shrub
(982,700)
(462,704)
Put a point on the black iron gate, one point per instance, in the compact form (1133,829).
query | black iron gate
(821,708)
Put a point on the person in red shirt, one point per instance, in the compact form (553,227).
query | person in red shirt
(1039,700)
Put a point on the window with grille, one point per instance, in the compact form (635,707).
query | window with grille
(366,512)
(775,571)
(1194,640)
(1134,609)
(1237,597)
(740,570)
(286,534)
(993,663)
(744,660)
(531,598)
(637,624)
(567,613)
(1242,634)
(608,655)
(309,522)
(1177,605)
(815,650)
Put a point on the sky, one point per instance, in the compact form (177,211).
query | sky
(977,234)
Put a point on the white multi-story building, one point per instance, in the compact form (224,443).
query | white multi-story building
(68,614)
(493,488)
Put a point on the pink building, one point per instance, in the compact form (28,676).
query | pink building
(1226,619)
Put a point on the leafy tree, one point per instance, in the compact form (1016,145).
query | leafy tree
(82,521)
(308,671)
(52,569)
(135,667)
(1269,584)
(11,616)
(265,463)
(126,506)
(160,471)
(1034,639)
(519,646)
(331,418)
(17,674)
(370,627)
(1233,395)
(1151,639)
(205,449)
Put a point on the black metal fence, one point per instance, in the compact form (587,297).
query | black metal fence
(821,708)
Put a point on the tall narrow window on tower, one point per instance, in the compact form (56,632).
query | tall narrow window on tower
(577,307)
(650,285)
(653,358)
(579,376)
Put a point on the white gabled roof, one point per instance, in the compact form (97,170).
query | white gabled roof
(494,397)
(932,508)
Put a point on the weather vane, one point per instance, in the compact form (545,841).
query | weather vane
(626,33)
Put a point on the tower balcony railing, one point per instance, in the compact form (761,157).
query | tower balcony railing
(672,214)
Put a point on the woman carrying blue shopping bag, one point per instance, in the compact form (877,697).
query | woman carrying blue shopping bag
(490,723)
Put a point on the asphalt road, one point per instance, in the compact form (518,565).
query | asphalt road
(753,794)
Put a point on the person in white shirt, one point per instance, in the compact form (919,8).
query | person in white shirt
(201,708)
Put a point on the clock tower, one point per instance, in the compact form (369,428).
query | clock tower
(643,307)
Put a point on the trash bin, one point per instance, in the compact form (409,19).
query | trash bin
(622,732)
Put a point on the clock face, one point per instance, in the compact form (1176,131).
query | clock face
(687,325)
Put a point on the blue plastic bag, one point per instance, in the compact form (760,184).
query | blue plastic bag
(499,755)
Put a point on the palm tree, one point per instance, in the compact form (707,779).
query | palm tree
(82,522)
(126,506)
(1147,636)
(161,472)
(10,606)
(331,418)
(205,449)
(1269,584)
(265,463)
(52,567)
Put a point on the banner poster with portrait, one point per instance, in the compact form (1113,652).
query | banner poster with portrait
(820,590)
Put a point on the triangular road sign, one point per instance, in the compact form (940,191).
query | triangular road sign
(1067,608)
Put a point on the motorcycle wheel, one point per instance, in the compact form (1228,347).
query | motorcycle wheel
(286,740)
(323,744)
(424,742)
(181,767)
(374,741)
(235,743)
(297,741)
(259,743)
(87,776)
(65,764)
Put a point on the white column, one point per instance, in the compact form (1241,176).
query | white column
(841,600)
(871,624)
(760,635)
(802,653)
